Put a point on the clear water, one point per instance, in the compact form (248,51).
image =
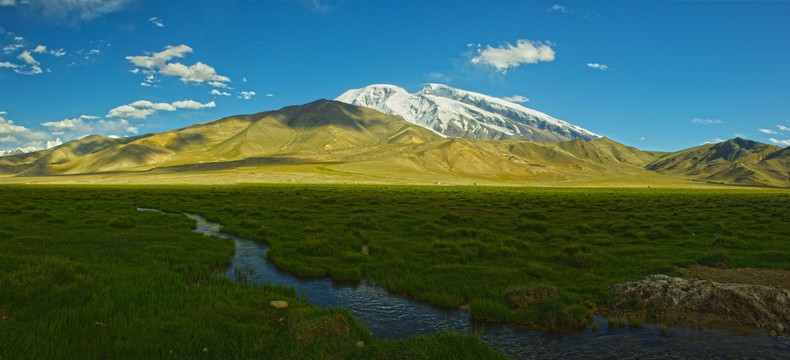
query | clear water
(392,316)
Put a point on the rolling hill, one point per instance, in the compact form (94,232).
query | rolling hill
(331,141)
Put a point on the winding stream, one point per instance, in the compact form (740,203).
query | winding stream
(389,315)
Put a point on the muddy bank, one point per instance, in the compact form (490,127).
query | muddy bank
(703,302)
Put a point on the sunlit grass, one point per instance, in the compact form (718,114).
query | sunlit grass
(85,275)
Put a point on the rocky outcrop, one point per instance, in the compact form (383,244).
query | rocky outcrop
(705,302)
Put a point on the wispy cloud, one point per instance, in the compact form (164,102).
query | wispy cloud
(767,131)
(33,66)
(557,8)
(516,99)
(783,128)
(6,64)
(504,57)
(216,92)
(598,66)
(156,21)
(73,11)
(780,142)
(703,121)
(40,49)
(246,95)
(160,63)
(7,2)
(714,141)
(318,6)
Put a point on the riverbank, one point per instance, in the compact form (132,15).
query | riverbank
(744,298)
(83,274)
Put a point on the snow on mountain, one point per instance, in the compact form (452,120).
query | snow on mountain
(456,113)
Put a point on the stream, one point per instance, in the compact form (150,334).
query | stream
(393,316)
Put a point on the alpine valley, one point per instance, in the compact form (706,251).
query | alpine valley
(381,134)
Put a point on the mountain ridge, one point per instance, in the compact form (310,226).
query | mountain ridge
(456,113)
(333,141)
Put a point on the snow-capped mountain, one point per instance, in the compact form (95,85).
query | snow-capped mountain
(456,113)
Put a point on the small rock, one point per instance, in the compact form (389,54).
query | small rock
(365,250)
(779,328)
(773,333)
(360,344)
(279,304)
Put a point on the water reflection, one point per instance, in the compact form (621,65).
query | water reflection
(390,315)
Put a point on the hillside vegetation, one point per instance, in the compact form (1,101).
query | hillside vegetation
(333,142)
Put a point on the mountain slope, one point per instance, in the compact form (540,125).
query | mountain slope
(735,161)
(331,141)
(456,113)
(319,126)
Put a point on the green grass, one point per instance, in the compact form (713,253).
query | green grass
(471,245)
(85,275)
(449,246)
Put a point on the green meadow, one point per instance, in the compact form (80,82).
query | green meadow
(83,272)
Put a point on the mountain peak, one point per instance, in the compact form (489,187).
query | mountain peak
(457,113)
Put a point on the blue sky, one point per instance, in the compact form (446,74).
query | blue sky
(658,75)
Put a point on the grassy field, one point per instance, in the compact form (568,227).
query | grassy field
(474,245)
(81,271)
(85,275)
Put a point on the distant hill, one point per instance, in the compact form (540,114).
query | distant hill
(735,161)
(330,141)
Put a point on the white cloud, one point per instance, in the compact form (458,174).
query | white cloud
(516,99)
(780,142)
(218,84)
(7,2)
(192,104)
(154,106)
(85,124)
(40,49)
(26,57)
(119,126)
(75,10)
(156,21)
(130,111)
(783,128)
(197,73)
(598,66)
(706,121)
(558,8)
(10,130)
(53,143)
(246,95)
(767,131)
(269,95)
(244,79)
(525,52)
(142,109)
(6,64)
(219,93)
(57,53)
(642,138)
